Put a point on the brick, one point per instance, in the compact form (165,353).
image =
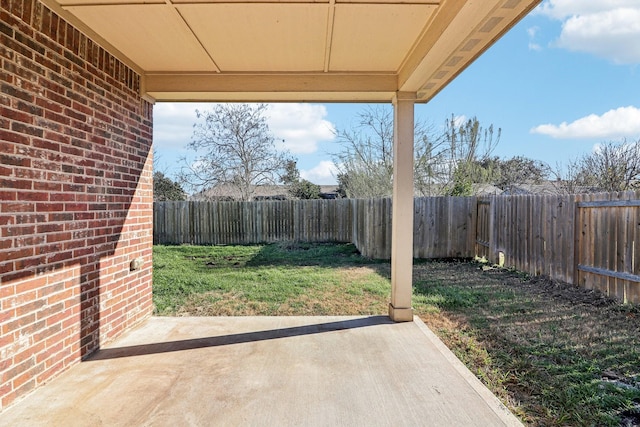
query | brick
(7,196)
(18,184)
(47,186)
(58,237)
(13,231)
(62,197)
(77,207)
(34,196)
(68,185)
(17,207)
(30,173)
(57,217)
(15,115)
(24,388)
(49,207)
(16,92)
(45,144)
(17,253)
(59,256)
(26,129)
(15,160)
(29,218)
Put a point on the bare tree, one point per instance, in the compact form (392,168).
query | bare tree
(365,162)
(612,166)
(448,162)
(519,170)
(234,148)
(568,178)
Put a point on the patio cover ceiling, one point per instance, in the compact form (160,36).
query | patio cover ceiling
(294,50)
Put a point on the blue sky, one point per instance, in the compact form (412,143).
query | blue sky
(563,80)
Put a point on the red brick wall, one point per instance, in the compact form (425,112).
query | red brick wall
(75,197)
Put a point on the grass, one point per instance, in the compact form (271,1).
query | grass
(554,354)
(282,279)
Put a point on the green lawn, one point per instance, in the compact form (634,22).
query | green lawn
(267,280)
(553,353)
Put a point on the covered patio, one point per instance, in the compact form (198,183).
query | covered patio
(395,51)
(77,84)
(268,371)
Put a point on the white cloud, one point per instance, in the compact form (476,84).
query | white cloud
(621,122)
(173,123)
(460,120)
(323,173)
(562,9)
(532,31)
(608,29)
(301,126)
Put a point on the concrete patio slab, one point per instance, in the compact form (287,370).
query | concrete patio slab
(267,371)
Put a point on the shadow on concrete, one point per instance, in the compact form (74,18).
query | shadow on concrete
(217,341)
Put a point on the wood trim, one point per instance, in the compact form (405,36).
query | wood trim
(615,274)
(313,82)
(610,203)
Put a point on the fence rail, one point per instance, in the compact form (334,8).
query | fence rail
(590,240)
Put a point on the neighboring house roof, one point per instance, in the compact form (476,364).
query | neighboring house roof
(270,192)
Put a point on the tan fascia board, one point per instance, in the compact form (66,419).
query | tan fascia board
(440,21)
(272,87)
(54,6)
(417,78)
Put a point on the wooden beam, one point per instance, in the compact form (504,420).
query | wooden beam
(328,97)
(270,83)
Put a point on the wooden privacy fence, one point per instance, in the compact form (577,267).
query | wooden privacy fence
(607,256)
(591,239)
(225,223)
(366,223)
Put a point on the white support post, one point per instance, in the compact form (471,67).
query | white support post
(402,221)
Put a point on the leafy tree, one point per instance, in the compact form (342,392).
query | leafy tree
(299,188)
(305,189)
(291,173)
(234,147)
(470,146)
(164,188)
(343,184)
